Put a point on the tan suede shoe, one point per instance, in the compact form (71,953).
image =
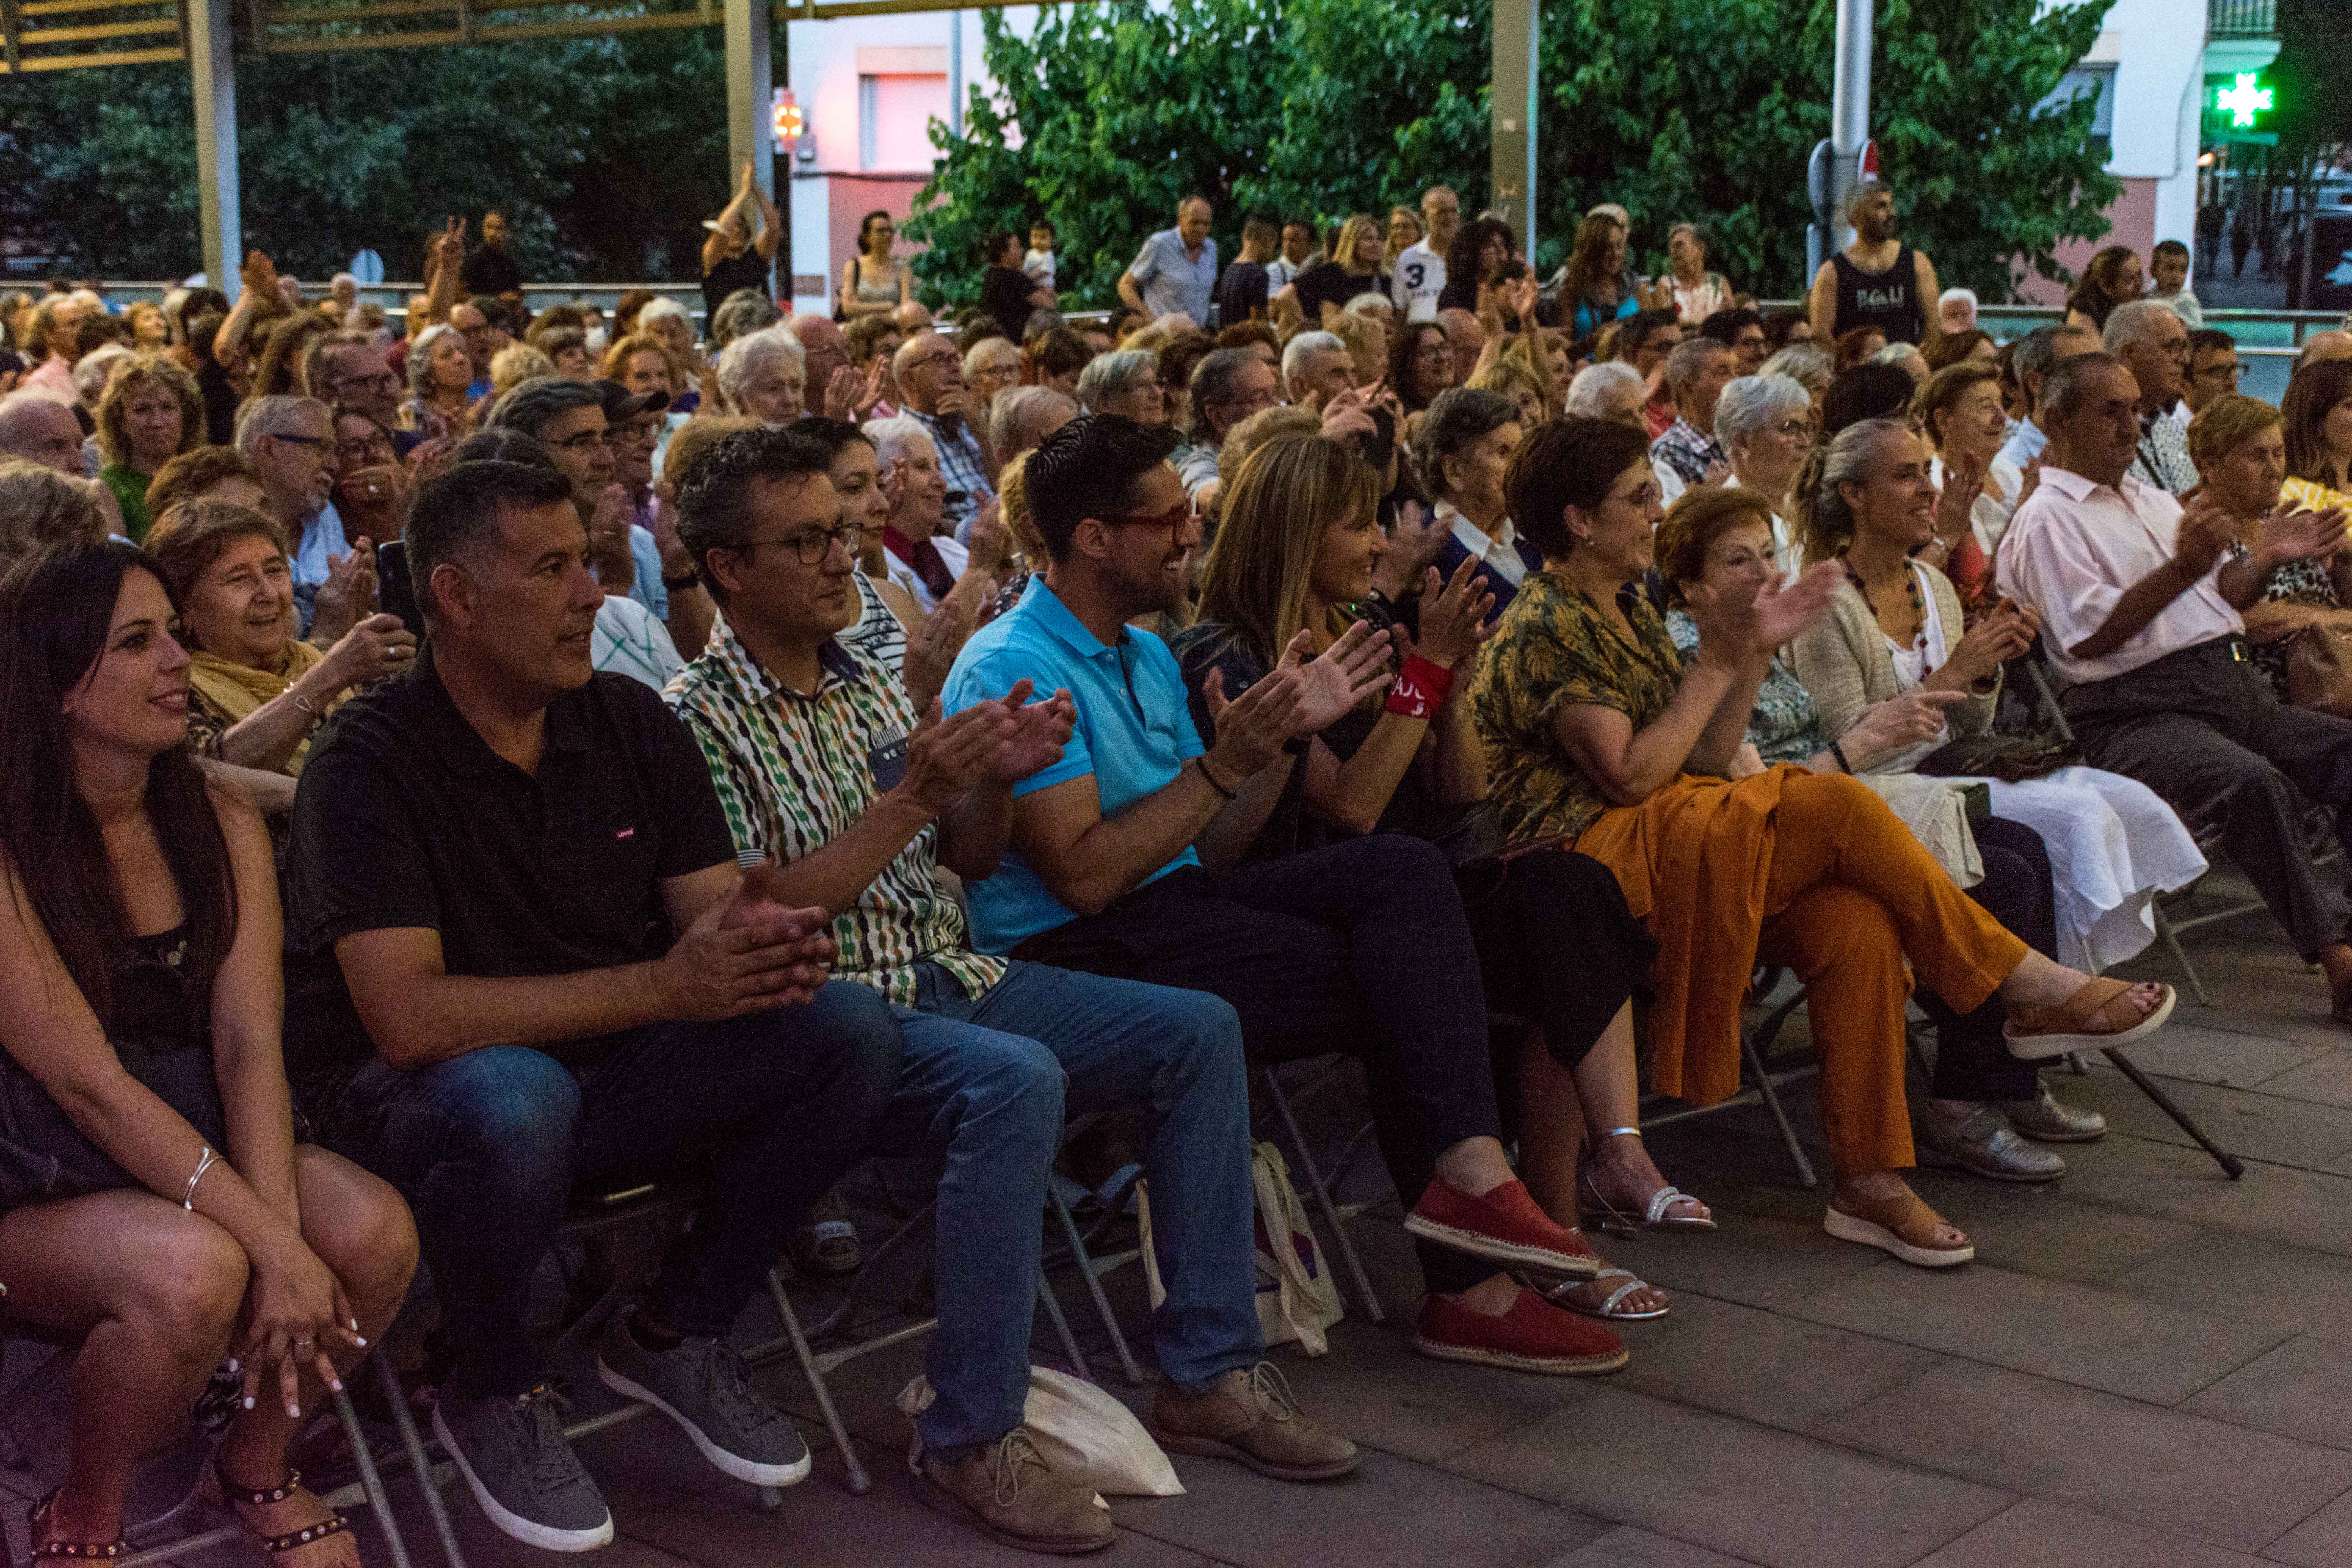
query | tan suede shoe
(1251,1416)
(1010,1493)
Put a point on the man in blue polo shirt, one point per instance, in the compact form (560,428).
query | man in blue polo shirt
(1176,272)
(1361,946)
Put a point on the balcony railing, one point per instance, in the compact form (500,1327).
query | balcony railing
(2241,19)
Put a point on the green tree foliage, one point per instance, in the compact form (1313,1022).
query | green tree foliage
(1679,109)
(604,153)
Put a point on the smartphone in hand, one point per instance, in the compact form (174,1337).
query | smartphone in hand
(395,590)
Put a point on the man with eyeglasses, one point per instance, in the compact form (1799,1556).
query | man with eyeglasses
(2213,367)
(2153,344)
(290,443)
(1129,861)
(825,768)
(1228,386)
(568,419)
(930,372)
(346,370)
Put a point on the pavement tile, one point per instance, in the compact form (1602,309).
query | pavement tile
(2039,1535)
(1763,1367)
(2253,1124)
(2302,1389)
(1771,1496)
(2303,1208)
(2184,1049)
(1393,1512)
(1376,1388)
(2174,1473)
(1626,1547)
(1758,1261)
(2074,1333)
(2042,1231)
(2323,1541)
(2324,1079)
(2266,1283)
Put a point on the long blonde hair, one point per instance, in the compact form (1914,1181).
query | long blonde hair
(1274,514)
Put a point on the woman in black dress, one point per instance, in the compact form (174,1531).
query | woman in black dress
(156,1201)
(1007,295)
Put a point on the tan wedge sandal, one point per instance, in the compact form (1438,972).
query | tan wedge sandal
(1903,1227)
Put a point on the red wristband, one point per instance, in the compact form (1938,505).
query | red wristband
(1421,688)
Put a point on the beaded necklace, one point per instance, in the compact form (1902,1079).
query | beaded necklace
(1911,588)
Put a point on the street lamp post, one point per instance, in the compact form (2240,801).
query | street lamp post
(1512,103)
(1849,134)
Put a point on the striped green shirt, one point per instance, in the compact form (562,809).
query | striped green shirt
(794,772)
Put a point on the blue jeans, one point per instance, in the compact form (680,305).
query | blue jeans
(768,1109)
(990,1078)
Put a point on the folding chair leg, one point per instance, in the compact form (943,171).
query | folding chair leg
(413,1445)
(1062,1327)
(1773,1103)
(2147,1086)
(370,1481)
(1315,1182)
(1084,1261)
(860,1483)
(2180,956)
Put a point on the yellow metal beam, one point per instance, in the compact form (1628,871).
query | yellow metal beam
(28,63)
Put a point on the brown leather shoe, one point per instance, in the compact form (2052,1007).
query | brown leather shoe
(1251,1416)
(1011,1494)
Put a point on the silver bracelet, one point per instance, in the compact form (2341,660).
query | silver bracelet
(188,1199)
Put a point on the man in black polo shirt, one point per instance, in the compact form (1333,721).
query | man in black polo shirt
(522,957)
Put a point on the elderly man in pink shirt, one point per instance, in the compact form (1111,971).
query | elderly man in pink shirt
(2139,603)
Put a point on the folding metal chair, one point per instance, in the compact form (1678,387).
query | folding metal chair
(1761,1082)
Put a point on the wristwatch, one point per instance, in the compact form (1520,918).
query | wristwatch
(679,584)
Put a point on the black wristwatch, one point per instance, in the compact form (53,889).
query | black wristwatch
(678,584)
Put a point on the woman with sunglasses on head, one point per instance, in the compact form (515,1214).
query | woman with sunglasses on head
(1598,738)
(157,1207)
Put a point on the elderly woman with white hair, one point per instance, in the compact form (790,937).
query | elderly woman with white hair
(1610,391)
(1766,425)
(668,319)
(1124,382)
(440,373)
(1810,367)
(763,375)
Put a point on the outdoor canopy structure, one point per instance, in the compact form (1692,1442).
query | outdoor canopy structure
(67,35)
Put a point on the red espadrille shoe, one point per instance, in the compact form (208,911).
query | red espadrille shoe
(1504,1225)
(1533,1336)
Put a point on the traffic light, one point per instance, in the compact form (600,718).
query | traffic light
(787,114)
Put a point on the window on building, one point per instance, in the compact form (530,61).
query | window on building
(894,119)
(2092,80)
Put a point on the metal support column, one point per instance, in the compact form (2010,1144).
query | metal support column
(1512,103)
(1849,110)
(211,76)
(751,96)
(955,75)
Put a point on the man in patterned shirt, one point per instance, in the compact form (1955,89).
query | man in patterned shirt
(1697,372)
(931,392)
(821,760)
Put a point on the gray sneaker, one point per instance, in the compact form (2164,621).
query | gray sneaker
(705,1387)
(2049,1120)
(513,1455)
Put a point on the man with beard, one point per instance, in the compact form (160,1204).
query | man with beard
(1876,281)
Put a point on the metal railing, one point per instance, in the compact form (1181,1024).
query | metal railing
(2241,19)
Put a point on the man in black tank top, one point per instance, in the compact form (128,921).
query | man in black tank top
(1877,281)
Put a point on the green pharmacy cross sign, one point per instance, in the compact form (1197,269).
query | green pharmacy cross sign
(2243,100)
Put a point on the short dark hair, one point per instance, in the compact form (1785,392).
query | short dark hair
(1866,391)
(2207,340)
(533,405)
(1456,418)
(1564,463)
(1725,325)
(1263,227)
(2061,389)
(834,434)
(2169,248)
(1089,468)
(1064,352)
(1638,329)
(1212,377)
(460,507)
(713,512)
(993,245)
(1779,322)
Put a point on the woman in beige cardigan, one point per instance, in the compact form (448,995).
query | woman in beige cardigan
(1866,501)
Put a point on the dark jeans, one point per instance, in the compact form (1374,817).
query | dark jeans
(1358,947)
(1972,1060)
(769,1111)
(2202,728)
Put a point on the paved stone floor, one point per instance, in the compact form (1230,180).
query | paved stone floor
(2148,1367)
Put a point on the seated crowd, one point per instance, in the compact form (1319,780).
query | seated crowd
(539,756)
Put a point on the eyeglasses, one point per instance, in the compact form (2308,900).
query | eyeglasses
(382,381)
(2232,370)
(1174,518)
(1798,429)
(314,442)
(584,440)
(365,448)
(634,431)
(1644,499)
(812,545)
